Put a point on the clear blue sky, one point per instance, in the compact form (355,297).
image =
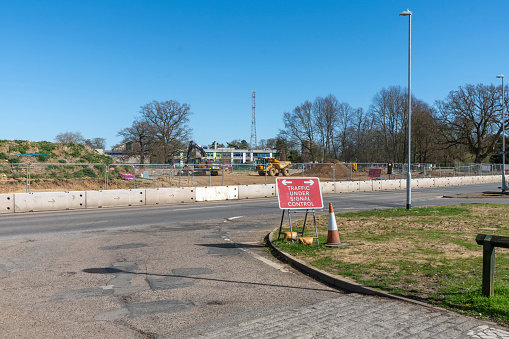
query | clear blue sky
(88,66)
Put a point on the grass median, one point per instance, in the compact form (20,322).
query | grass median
(428,253)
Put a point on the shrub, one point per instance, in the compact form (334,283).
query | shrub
(46,146)
(3,156)
(62,161)
(78,174)
(15,160)
(88,172)
(44,157)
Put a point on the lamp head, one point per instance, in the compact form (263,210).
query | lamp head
(405,13)
(500,76)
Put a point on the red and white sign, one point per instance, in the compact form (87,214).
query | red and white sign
(299,193)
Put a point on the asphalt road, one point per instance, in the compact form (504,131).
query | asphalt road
(166,271)
(197,213)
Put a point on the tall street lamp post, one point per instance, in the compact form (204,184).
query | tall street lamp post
(409,175)
(504,187)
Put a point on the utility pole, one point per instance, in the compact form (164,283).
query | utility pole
(253,141)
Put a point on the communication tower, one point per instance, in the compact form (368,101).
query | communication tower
(253,141)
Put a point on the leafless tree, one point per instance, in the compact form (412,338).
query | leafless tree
(168,122)
(96,143)
(70,138)
(300,130)
(470,116)
(389,109)
(325,112)
(138,136)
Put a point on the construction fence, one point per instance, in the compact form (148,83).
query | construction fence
(56,177)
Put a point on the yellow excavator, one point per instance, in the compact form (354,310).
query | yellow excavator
(202,164)
(272,167)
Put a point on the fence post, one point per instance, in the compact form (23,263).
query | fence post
(222,178)
(334,173)
(134,177)
(27,189)
(106,172)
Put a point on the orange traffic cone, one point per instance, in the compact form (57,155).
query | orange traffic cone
(333,234)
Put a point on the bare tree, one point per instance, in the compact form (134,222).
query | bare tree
(325,112)
(139,136)
(96,143)
(300,130)
(70,138)
(168,122)
(470,117)
(390,111)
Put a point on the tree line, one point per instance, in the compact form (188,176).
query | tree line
(465,126)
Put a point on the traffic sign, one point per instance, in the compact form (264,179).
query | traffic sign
(503,152)
(299,193)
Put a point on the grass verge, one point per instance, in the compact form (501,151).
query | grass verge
(428,253)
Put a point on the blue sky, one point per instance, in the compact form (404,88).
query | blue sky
(88,66)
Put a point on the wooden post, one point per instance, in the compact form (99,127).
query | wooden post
(489,242)
(488,267)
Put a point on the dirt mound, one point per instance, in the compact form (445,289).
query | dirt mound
(327,169)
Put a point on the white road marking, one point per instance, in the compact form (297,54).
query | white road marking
(262,259)
(233,218)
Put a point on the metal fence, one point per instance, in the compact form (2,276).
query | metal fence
(40,177)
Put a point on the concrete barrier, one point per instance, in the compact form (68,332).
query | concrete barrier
(455,181)
(215,193)
(426,183)
(327,187)
(257,191)
(467,180)
(376,185)
(365,186)
(390,185)
(49,201)
(7,203)
(347,186)
(440,182)
(113,198)
(170,195)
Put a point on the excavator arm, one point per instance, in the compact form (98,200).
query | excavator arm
(193,145)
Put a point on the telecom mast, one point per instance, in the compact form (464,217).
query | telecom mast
(253,141)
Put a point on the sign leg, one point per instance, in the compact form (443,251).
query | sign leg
(316,229)
(281,225)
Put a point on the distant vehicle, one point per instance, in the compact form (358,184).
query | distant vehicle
(272,167)
(202,165)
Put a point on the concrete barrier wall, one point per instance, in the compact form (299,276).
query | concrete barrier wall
(426,183)
(49,201)
(112,198)
(7,203)
(214,193)
(347,186)
(365,186)
(257,191)
(440,182)
(45,201)
(391,185)
(327,187)
(170,195)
